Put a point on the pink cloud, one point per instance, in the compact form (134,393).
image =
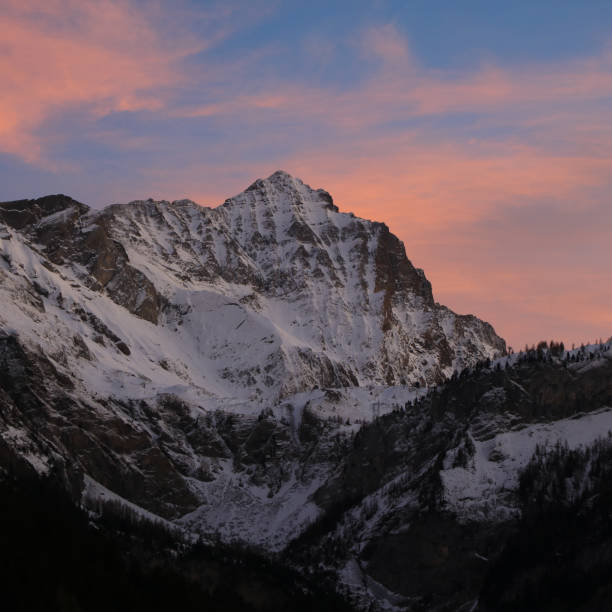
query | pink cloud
(60,55)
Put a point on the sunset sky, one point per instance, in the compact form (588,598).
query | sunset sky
(479,131)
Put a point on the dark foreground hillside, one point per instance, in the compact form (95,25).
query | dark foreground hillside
(55,558)
(388,510)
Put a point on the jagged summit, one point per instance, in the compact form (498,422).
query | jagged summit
(282,175)
(280,178)
(283,191)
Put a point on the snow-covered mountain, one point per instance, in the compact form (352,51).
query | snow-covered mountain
(272,293)
(276,372)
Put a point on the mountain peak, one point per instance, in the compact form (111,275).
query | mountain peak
(279,180)
(282,175)
(283,181)
(283,192)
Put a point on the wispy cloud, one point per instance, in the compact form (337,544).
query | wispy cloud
(397,88)
(60,56)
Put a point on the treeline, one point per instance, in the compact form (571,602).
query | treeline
(560,477)
(543,352)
